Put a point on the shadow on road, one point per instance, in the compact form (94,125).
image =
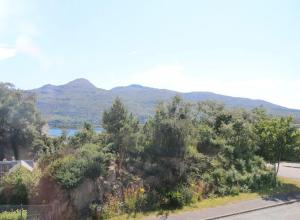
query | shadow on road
(284,193)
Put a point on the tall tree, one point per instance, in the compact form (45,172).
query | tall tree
(20,123)
(167,140)
(121,128)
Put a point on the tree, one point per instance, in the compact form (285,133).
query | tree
(121,128)
(20,123)
(276,138)
(86,135)
(167,140)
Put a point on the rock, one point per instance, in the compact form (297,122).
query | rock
(83,195)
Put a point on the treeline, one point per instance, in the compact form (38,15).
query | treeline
(184,153)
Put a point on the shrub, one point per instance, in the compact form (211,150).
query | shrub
(175,199)
(134,199)
(152,201)
(18,186)
(68,171)
(179,197)
(95,159)
(262,180)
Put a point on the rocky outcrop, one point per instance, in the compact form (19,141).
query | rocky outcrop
(75,203)
(52,195)
(86,193)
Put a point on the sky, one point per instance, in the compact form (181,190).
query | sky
(239,48)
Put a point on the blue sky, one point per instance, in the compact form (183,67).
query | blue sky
(239,48)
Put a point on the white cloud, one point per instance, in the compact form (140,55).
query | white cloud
(14,17)
(24,44)
(7,52)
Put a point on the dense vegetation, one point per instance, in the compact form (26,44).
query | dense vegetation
(80,101)
(184,153)
(20,123)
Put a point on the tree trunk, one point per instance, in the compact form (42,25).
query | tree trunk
(121,176)
(278,164)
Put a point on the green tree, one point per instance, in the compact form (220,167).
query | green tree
(167,140)
(87,161)
(86,135)
(121,128)
(17,187)
(276,138)
(228,139)
(20,123)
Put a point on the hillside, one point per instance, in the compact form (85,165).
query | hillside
(80,100)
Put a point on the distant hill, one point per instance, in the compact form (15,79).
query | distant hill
(80,100)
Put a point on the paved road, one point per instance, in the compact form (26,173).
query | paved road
(291,170)
(289,212)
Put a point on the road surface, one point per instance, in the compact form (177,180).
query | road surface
(289,212)
(290,170)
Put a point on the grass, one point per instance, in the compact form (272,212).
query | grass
(286,185)
(13,215)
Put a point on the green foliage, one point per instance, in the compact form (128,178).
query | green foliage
(87,161)
(167,137)
(178,198)
(18,186)
(96,160)
(20,123)
(134,199)
(182,154)
(277,139)
(86,135)
(68,171)
(13,215)
(121,129)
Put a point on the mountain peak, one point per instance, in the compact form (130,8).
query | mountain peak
(136,86)
(81,82)
(80,100)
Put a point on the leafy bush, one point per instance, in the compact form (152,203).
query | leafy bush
(69,171)
(175,199)
(95,159)
(232,181)
(181,196)
(18,186)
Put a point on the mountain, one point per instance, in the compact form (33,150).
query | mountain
(80,100)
